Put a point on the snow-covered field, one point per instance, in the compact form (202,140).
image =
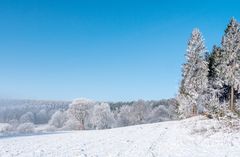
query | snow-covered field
(192,137)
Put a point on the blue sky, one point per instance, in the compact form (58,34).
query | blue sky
(103,50)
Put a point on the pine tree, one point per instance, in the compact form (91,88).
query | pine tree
(229,70)
(193,88)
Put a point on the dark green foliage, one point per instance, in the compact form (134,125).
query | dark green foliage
(214,60)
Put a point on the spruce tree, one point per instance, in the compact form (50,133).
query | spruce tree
(193,88)
(229,70)
(215,83)
(216,89)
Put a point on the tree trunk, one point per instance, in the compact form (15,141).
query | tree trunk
(232,99)
(83,125)
(194,110)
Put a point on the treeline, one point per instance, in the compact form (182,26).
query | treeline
(211,81)
(97,115)
(27,116)
(39,111)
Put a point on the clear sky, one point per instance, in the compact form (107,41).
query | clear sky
(104,50)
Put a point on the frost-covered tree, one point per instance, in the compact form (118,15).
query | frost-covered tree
(193,88)
(58,119)
(140,111)
(27,118)
(229,69)
(216,92)
(124,116)
(41,117)
(158,114)
(80,109)
(102,117)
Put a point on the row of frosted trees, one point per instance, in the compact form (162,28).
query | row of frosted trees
(84,114)
(211,81)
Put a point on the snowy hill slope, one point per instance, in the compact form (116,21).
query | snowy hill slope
(185,138)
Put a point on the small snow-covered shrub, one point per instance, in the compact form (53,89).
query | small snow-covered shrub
(6,128)
(51,128)
(25,128)
(72,124)
(230,125)
(201,125)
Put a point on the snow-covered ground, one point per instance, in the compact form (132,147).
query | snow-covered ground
(192,137)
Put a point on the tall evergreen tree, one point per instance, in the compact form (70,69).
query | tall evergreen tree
(195,80)
(217,91)
(229,70)
(215,83)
